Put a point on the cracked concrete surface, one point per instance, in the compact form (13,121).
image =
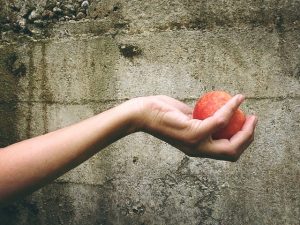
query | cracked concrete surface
(69,69)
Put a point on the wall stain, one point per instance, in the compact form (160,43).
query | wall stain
(103,55)
(52,204)
(46,95)
(287,64)
(15,212)
(14,65)
(8,96)
(279,23)
(30,94)
(207,187)
(129,51)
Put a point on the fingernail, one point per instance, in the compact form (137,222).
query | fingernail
(255,120)
(241,97)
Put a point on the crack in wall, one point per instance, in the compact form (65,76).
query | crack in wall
(120,100)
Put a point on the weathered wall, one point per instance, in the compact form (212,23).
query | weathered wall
(58,67)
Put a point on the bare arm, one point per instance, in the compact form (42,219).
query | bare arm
(30,164)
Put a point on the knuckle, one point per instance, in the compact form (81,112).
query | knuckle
(248,134)
(221,121)
(192,140)
(193,137)
(232,155)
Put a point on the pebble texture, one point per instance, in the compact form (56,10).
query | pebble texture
(63,61)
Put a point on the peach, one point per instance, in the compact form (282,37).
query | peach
(209,103)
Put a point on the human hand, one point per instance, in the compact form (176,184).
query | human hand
(171,120)
(164,117)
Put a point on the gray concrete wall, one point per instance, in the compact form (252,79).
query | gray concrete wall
(58,67)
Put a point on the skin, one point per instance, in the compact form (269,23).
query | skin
(31,164)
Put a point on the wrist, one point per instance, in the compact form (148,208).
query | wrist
(137,110)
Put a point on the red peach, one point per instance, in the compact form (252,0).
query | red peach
(209,103)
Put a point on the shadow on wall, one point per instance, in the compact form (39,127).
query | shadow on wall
(51,203)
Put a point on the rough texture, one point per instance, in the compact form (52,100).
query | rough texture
(59,67)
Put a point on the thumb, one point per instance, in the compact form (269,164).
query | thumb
(222,116)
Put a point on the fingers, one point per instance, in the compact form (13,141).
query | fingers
(174,125)
(222,116)
(232,149)
(245,136)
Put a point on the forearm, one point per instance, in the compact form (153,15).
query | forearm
(27,165)
(30,164)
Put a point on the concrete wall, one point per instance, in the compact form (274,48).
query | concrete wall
(58,67)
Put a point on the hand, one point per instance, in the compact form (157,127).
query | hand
(48,156)
(171,120)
